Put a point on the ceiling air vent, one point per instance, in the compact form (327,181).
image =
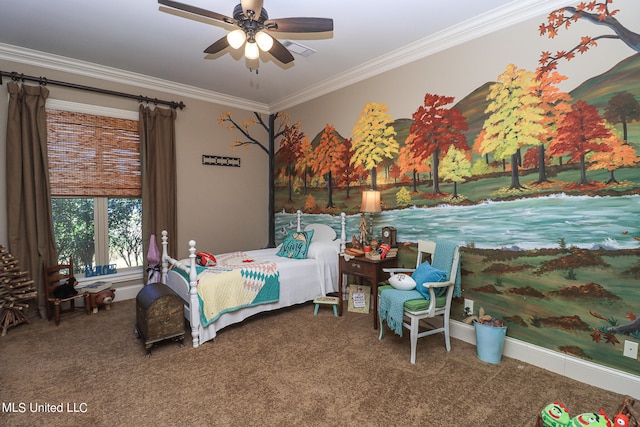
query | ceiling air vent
(298,48)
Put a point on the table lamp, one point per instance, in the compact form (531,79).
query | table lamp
(370,205)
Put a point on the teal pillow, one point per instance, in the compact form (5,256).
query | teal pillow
(427,273)
(296,244)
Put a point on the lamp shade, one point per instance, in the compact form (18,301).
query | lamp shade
(251,50)
(370,201)
(236,38)
(264,40)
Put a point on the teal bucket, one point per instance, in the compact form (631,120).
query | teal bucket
(490,342)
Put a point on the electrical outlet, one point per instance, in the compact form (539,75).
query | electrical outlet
(630,349)
(468,306)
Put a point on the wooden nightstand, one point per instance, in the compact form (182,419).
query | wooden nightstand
(368,269)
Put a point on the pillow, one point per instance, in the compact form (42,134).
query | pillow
(426,273)
(296,244)
(323,250)
(402,281)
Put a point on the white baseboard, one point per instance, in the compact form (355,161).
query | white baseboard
(559,363)
(127,292)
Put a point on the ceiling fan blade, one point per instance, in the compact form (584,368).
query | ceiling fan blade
(197,11)
(253,5)
(280,52)
(217,46)
(300,25)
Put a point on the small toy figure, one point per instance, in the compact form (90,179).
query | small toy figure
(555,415)
(621,420)
(591,419)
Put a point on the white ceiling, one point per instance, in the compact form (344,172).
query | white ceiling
(143,42)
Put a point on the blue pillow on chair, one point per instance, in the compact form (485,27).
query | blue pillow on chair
(427,273)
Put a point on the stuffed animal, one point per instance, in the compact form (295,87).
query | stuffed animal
(555,415)
(591,419)
(621,420)
(67,289)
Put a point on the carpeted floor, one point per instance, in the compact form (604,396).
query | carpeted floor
(286,368)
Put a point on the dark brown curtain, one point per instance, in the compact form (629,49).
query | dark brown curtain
(159,189)
(29,218)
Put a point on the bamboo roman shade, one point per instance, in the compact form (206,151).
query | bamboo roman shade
(93,156)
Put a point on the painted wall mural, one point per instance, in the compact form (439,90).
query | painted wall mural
(540,187)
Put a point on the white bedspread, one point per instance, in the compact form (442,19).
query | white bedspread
(301,280)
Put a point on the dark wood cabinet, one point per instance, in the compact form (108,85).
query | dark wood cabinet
(159,315)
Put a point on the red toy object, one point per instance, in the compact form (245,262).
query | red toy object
(383,250)
(205,259)
(621,420)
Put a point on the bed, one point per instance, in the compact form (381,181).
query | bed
(300,280)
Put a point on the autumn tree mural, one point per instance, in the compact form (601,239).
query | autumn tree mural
(408,163)
(373,138)
(581,132)
(515,119)
(621,155)
(436,127)
(455,167)
(304,161)
(290,152)
(328,159)
(551,254)
(347,173)
(622,108)
(554,104)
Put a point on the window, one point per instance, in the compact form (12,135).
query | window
(94,169)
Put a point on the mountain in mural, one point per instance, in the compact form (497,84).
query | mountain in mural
(597,91)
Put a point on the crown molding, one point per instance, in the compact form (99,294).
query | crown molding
(503,17)
(60,63)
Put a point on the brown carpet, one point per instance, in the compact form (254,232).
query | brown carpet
(288,368)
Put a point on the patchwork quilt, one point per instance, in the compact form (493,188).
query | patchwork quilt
(237,281)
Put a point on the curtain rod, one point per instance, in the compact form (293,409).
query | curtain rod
(44,81)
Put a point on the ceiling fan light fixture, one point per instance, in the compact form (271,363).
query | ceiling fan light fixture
(264,40)
(251,50)
(236,38)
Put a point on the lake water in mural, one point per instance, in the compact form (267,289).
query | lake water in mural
(609,222)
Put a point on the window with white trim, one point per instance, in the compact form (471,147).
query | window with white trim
(96,188)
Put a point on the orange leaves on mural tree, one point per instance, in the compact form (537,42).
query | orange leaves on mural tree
(619,155)
(328,156)
(553,102)
(305,160)
(594,12)
(408,162)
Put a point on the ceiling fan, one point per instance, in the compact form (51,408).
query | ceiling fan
(254,28)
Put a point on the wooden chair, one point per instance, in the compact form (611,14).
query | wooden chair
(54,277)
(421,309)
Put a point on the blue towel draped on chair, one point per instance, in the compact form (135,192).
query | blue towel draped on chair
(443,259)
(392,306)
